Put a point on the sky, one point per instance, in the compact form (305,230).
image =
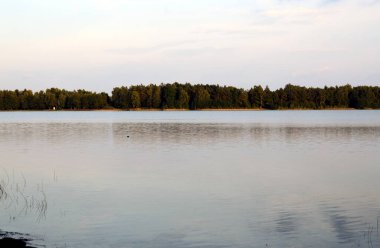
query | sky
(101,44)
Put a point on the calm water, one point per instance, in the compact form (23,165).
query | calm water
(191,179)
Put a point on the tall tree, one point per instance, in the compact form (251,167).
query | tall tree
(256,95)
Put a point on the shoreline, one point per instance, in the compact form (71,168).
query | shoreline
(181,110)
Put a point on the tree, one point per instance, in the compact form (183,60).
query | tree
(268,99)
(183,99)
(10,100)
(134,99)
(26,99)
(242,99)
(342,95)
(168,93)
(156,97)
(120,97)
(201,98)
(255,96)
(362,97)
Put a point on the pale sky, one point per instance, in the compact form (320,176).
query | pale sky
(100,44)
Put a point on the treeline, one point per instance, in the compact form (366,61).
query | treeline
(200,96)
(52,99)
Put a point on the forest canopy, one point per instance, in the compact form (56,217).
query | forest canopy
(198,96)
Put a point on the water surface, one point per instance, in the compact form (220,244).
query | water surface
(192,179)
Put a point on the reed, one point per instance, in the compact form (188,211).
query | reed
(17,197)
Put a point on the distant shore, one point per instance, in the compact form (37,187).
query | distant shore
(180,110)
(180,97)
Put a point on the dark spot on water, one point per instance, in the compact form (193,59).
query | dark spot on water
(13,243)
(14,240)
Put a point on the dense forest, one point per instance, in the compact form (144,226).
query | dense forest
(199,96)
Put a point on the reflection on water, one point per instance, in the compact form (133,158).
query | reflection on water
(172,182)
(351,229)
(286,223)
(344,225)
(179,132)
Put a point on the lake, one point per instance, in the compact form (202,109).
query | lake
(191,179)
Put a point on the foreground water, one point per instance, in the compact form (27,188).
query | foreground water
(191,179)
